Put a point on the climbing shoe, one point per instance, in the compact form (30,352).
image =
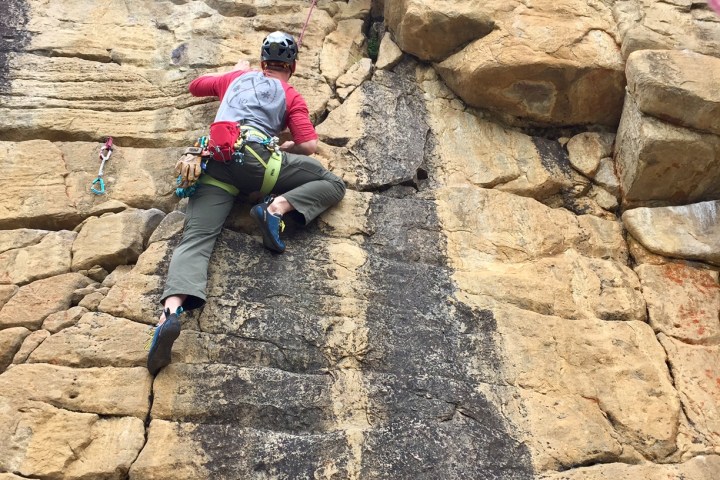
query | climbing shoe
(270,225)
(162,342)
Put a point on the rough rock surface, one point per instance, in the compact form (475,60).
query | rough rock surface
(551,62)
(690,231)
(473,308)
(677,86)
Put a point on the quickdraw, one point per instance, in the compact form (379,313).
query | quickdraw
(105,153)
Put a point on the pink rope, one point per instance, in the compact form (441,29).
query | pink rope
(715,5)
(302,34)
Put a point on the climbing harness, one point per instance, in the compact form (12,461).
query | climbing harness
(105,153)
(229,142)
(302,34)
(273,164)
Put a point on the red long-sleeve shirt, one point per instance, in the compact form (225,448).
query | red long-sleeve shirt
(267,104)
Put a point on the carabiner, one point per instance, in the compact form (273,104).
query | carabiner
(102,186)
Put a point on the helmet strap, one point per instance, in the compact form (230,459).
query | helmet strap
(278,67)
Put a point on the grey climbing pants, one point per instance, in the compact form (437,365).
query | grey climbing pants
(303,181)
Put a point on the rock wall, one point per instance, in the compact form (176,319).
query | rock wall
(522,281)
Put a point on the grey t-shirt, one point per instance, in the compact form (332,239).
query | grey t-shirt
(256,101)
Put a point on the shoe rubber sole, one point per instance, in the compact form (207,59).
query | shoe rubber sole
(257,213)
(160,350)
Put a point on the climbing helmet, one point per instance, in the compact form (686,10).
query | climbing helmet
(279,47)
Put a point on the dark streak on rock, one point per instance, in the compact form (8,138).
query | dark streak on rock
(553,157)
(179,54)
(13,36)
(428,419)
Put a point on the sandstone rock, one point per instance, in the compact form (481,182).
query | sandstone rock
(136,297)
(688,232)
(97,340)
(197,347)
(20,238)
(431,31)
(660,164)
(114,240)
(512,229)
(581,205)
(683,301)
(35,301)
(31,342)
(677,86)
(576,427)
(26,205)
(80,293)
(389,54)
(585,151)
(606,177)
(341,48)
(618,367)
(554,63)
(171,226)
(591,288)
(9,476)
(391,104)
(341,221)
(469,150)
(358,73)
(111,206)
(83,445)
(135,294)
(371,348)
(357,9)
(116,275)
(197,451)
(677,25)
(248,396)
(697,376)
(604,199)
(91,300)
(104,391)
(96,273)
(10,341)
(170,451)
(698,468)
(139,177)
(6,293)
(642,255)
(87,120)
(60,320)
(231,8)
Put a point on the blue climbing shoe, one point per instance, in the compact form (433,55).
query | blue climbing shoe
(270,226)
(162,342)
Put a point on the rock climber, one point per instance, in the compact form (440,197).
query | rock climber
(255,106)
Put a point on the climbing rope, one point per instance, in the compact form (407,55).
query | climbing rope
(715,5)
(307,20)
